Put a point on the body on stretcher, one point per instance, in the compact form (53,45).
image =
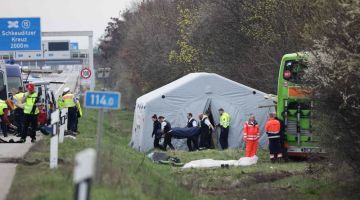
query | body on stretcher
(182,133)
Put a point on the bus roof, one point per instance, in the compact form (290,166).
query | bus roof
(295,56)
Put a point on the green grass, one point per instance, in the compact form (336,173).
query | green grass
(128,174)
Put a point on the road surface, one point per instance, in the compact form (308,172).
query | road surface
(10,152)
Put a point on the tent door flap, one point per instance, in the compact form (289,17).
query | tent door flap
(207,105)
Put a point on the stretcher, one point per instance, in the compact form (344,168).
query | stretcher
(181,133)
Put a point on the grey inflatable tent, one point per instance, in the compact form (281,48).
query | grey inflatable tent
(197,93)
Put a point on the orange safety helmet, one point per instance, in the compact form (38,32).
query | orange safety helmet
(30,87)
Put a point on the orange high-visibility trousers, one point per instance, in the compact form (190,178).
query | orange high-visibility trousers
(251,148)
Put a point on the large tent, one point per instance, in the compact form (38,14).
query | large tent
(197,93)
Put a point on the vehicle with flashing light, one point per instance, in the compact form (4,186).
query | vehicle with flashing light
(294,106)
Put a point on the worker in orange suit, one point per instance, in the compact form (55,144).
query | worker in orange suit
(251,135)
(272,129)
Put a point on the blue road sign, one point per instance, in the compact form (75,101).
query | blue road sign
(20,34)
(74,46)
(100,99)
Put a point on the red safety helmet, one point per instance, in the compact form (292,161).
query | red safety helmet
(30,87)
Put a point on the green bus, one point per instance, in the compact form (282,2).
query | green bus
(294,107)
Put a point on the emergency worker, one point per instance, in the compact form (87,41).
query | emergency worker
(156,134)
(272,129)
(79,114)
(31,111)
(192,142)
(251,134)
(166,131)
(19,109)
(69,101)
(224,126)
(206,129)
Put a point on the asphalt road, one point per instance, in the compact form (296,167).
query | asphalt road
(11,152)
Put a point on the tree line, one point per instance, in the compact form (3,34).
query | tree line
(158,41)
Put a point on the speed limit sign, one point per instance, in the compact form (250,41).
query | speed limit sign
(85,73)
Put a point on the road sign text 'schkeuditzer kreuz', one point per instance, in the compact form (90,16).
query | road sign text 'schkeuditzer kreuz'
(20,34)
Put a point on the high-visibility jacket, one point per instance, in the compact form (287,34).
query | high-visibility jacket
(3,106)
(272,128)
(30,103)
(251,131)
(68,100)
(10,104)
(225,120)
(60,102)
(79,108)
(17,98)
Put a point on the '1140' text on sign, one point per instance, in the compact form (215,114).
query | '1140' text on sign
(102,100)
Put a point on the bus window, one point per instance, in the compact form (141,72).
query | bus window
(294,71)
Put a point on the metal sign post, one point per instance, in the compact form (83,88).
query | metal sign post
(101,100)
(99,133)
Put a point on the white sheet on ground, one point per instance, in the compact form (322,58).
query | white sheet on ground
(211,163)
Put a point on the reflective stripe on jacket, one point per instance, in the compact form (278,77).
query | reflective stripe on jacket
(225,120)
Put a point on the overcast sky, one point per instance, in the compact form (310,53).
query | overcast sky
(67,15)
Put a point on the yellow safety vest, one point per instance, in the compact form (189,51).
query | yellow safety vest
(29,104)
(60,102)
(18,99)
(79,108)
(225,120)
(3,105)
(68,100)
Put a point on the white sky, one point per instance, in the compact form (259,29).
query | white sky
(68,15)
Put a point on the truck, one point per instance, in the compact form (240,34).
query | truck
(295,107)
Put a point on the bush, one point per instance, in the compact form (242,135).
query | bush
(334,75)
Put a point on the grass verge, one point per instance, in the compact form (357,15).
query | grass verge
(128,174)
